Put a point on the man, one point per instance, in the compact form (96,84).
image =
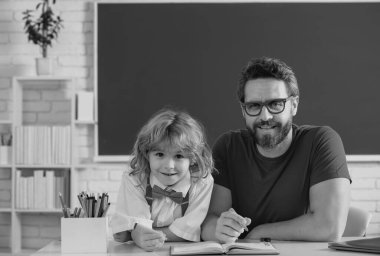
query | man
(283,181)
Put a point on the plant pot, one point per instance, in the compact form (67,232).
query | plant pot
(5,154)
(45,66)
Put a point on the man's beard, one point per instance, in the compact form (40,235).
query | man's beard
(268,141)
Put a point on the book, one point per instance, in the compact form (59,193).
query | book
(359,245)
(211,247)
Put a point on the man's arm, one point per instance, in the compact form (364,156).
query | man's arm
(325,220)
(222,223)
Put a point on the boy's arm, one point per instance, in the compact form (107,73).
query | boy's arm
(325,220)
(188,227)
(122,237)
(170,236)
(147,238)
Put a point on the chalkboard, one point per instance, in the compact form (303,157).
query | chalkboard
(189,55)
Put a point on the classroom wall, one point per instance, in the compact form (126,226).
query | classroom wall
(74,52)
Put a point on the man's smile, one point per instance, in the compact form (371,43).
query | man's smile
(266,127)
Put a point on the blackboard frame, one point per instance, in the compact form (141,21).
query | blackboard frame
(121,158)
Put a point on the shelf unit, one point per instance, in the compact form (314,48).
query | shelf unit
(66,88)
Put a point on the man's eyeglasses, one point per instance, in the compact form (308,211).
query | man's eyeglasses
(274,106)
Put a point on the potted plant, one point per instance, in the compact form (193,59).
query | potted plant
(42,30)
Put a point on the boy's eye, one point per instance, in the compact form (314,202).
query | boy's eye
(159,154)
(179,156)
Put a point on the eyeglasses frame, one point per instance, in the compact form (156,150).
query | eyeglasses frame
(265,104)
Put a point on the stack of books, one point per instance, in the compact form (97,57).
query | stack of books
(39,189)
(48,145)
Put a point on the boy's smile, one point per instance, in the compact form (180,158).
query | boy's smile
(169,174)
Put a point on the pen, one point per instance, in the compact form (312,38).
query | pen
(64,210)
(247,220)
(243,225)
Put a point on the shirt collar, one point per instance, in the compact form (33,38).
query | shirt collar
(181,186)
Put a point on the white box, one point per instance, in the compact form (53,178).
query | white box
(84,235)
(85,106)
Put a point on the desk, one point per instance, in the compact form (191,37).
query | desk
(286,248)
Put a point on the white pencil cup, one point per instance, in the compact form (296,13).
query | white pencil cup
(84,235)
(5,154)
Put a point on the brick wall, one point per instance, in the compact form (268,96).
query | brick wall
(74,57)
(365,191)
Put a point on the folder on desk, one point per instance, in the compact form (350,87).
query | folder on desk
(359,245)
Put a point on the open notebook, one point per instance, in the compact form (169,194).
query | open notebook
(359,245)
(210,247)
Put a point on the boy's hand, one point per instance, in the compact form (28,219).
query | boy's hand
(148,239)
(121,237)
(230,225)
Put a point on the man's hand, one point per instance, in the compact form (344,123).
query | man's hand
(230,225)
(148,239)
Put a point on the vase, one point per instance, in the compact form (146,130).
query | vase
(45,66)
(5,154)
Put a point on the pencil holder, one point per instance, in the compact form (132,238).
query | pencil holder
(84,235)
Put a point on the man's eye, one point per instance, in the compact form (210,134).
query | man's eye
(253,105)
(276,104)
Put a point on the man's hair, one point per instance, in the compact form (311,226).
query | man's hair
(266,67)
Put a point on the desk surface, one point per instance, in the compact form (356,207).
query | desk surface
(286,248)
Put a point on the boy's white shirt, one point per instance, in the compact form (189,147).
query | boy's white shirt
(132,207)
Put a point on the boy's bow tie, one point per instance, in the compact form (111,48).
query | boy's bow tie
(158,192)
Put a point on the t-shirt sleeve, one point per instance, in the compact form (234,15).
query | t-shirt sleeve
(329,159)
(219,153)
(189,226)
(131,206)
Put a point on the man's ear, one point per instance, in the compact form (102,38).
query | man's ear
(242,110)
(295,102)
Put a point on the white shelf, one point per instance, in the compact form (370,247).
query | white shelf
(66,86)
(38,211)
(41,78)
(79,122)
(24,166)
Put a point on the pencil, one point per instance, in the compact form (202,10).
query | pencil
(78,213)
(106,209)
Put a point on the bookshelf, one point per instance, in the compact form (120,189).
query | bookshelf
(43,157)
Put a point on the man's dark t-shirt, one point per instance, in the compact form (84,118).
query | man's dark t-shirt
(276,189)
